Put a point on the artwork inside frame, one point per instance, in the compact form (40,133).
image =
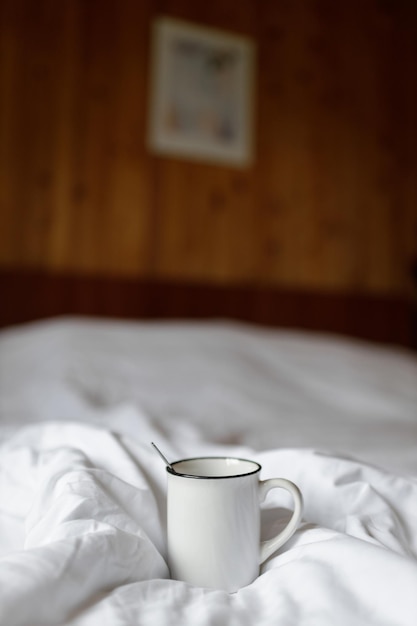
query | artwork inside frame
(201,96)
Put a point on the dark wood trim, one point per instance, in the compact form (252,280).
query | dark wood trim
(28,296)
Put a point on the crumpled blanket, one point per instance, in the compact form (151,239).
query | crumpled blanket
(82,525)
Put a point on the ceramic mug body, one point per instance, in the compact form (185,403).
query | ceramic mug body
(213,521)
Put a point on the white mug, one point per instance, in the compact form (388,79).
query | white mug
(213,521)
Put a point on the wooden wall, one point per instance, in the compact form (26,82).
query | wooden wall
(330,203)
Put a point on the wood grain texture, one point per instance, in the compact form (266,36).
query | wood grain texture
(33,295)
(330,203)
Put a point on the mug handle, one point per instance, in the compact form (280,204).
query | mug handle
(271,545)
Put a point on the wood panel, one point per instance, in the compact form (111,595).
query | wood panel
(31,295)
(330,203)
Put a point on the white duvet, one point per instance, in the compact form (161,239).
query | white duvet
(82,493)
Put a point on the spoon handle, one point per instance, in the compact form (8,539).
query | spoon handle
(163,457)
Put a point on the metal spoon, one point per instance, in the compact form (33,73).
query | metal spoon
(163,457)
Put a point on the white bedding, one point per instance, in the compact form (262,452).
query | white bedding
(82,500)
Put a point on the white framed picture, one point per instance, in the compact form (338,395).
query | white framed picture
(201,93)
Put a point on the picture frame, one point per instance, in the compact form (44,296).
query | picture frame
(201,93)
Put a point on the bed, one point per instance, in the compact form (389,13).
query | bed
(82,511)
